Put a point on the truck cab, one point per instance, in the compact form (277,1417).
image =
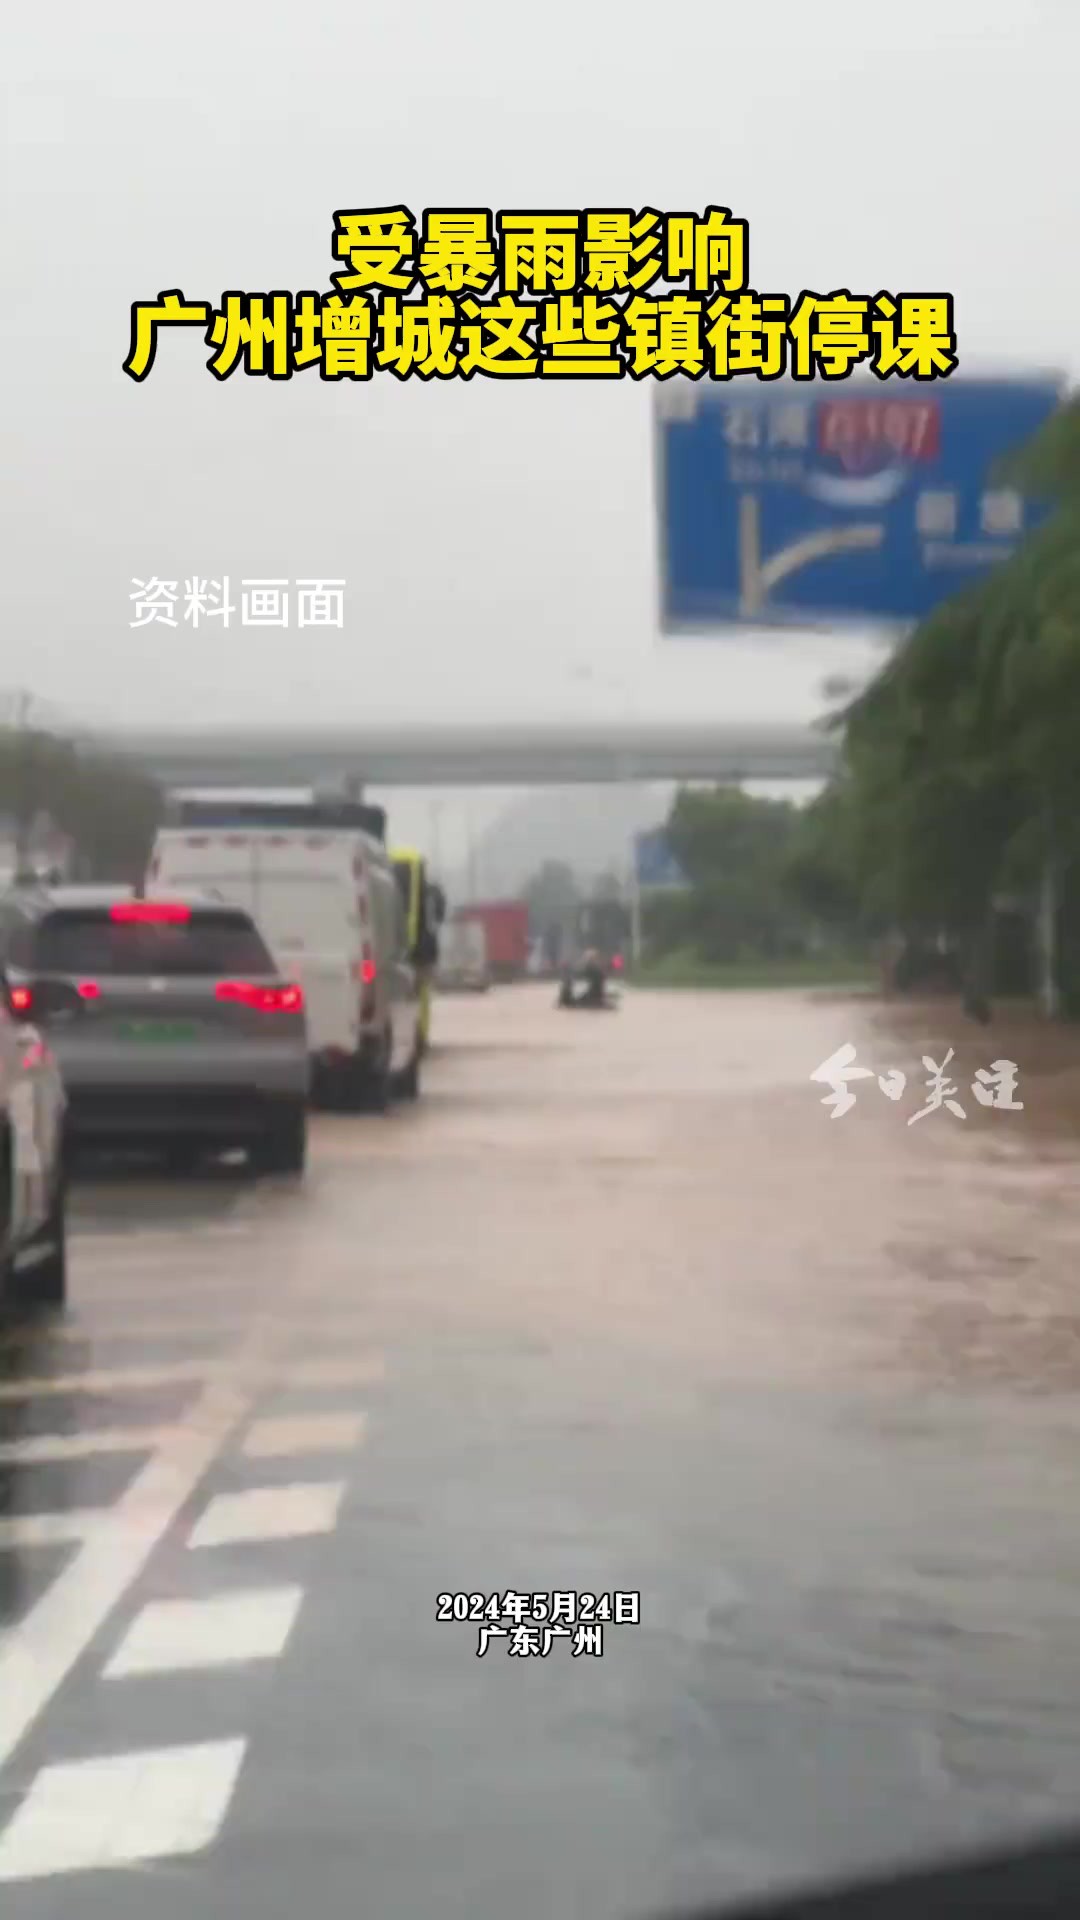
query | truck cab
(425,909)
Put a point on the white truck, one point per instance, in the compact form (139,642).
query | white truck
(317,880)
(463,959)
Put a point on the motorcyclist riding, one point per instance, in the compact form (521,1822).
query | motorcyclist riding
(593,975)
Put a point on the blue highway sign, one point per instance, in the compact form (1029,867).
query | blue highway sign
(655,864)
(817,502)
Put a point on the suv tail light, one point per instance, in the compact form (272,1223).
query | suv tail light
(367,973)
(249,993)
(160,913)
(44,997)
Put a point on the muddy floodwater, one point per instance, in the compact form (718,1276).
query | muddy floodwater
(617,1306)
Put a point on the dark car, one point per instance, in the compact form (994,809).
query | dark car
(169,1017)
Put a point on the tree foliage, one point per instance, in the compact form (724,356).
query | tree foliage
(108,808)
(765,877)
(960,770)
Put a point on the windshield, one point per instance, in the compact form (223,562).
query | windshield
(223,945)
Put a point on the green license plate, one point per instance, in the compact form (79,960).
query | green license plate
(157,1030)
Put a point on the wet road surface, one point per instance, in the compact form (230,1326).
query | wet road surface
(619,1308)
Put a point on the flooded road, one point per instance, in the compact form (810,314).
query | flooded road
(619,1308)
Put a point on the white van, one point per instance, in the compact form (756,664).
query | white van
(324,896)
(463,961)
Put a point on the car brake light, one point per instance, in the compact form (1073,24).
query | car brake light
(367,972)
(161,913)
(88,990)
(22,999)
(248,993)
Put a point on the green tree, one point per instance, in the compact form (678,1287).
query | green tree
(108,808)
(819,869)
(961,772)
(734,851)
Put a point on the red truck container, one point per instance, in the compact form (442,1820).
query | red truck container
(506,927)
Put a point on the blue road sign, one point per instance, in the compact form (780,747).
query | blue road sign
(654,862)
(814,503)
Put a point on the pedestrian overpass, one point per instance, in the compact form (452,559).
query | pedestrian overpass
(491,755)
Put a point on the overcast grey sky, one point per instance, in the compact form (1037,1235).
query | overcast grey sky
(495,540)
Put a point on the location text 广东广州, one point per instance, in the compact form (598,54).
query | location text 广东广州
(529,1624)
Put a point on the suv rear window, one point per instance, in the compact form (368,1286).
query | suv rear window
(224,945)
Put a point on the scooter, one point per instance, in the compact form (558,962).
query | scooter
(591,1000)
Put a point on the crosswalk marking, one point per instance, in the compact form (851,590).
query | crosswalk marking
(337,1372)
(37,1654)
(112,1810)
(269,1513)
(48,1529)
(120,1324)
(41,1449)
(121,1329)
(303,1433)
(110,1379)
(171,1636)
(161,1803)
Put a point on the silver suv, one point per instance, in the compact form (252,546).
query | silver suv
(170,1020)
(33,1246)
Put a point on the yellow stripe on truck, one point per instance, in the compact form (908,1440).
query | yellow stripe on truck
(414,862)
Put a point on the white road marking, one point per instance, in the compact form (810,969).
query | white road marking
(47,1529)
(170,1636)
(157,1804)
(40,1448)
(112,1379)
(303,1433)
(38,1653)
(122,1323)
(126,1326)
(269,1513)
(300,1373)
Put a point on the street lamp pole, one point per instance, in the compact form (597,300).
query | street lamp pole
(628,783)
